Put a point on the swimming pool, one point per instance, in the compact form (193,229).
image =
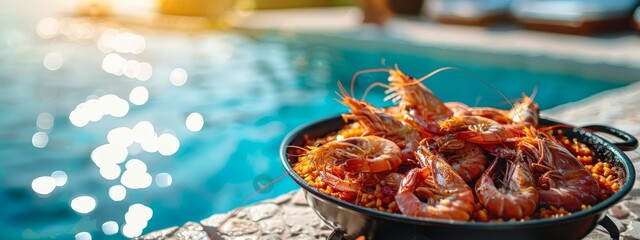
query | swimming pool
(208,111)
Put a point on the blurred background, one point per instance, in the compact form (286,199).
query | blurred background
(123,117)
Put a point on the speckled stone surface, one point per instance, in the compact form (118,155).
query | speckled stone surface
(289,217)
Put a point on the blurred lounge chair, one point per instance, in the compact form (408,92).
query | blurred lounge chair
(470,12)
(380,11)
(636,18)
(574,16)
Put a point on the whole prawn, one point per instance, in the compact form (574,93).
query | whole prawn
(517,196)
(378,122)
(478,129)
(421,107)
(462,110)
(368,154)
(562,180)
(448,195)
(467,158)
(524,113)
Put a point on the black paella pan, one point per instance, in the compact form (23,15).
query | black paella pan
(350,220)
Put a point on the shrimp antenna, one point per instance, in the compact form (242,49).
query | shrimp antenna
(534,92)
(442,69)
(342,91)
(358,73)
(299,148)
(528,131)
(373,85)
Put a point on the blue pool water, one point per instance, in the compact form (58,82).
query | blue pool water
(250,91)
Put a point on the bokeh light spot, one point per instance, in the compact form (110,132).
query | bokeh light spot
(144,133)
(108,154)
(131,68)
(83,204)
(110,228)
(194,122)
(53,61)
(121,136)
(113,63)
(110,171)
(131,231)
(136,176)
(83,236)
(44,121)
(139,95)
(43,185)
(113,105)
(94,109)
(163,180)
(40,139)
(178,77)
(78,119)
(136,165)
(136,219)
(168,144)
(117,193)
(47,27)
(145,71)
(60,178)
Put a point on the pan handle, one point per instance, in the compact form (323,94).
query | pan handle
(611,227)
(338,234)
(629,142)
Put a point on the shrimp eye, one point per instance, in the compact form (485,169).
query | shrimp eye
(318,144)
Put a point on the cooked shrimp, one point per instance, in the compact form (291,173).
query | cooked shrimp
(459,109)
(562,179)
(498,115)
(479,129)
(420,106)
(467,158)
(449,196)
(517,197)
(377,122)
(368,154)
(525,112)
(462,110)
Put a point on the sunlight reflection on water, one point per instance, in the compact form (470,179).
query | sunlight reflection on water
(178,77)
(43,185)
(83,236)
(47,28)
(53,61)
(194,122)
(102,97)
(110,228)
(139,95)
(45,121)
(40,139)
(83,204)
(117,193)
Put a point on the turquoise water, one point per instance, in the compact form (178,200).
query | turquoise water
(250,92)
